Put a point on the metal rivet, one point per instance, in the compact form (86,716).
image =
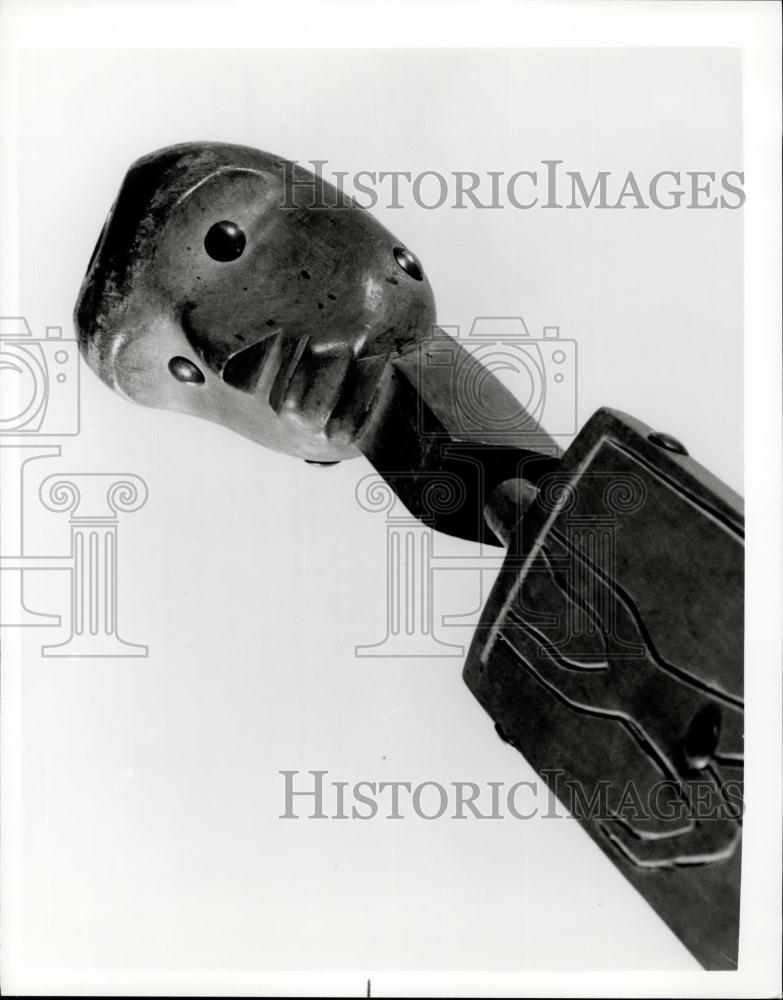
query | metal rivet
(225,241)
(408,263)
(185,371)
(667,442)
(701,739)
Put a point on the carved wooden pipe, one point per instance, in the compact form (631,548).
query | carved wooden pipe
(234,286)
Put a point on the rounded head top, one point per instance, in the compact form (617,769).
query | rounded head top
(234,285)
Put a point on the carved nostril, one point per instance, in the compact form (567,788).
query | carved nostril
(185,371)
(408,263)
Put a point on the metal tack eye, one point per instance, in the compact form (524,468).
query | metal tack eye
(702,737)
(667,442)
(185,371)
(408,263)
(225,241)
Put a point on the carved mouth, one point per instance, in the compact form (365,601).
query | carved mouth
(244,368)
(272,360)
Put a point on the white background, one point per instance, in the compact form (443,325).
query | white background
(150,791)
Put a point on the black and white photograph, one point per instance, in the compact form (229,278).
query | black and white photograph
(387,392)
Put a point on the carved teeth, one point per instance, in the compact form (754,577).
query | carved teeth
(283,358)
(244,368)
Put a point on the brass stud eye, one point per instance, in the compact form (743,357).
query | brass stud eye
(225,241)
(667,442)
(702,738)
(185,371)
(408,263)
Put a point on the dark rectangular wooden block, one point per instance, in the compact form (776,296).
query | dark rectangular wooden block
(611,657)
